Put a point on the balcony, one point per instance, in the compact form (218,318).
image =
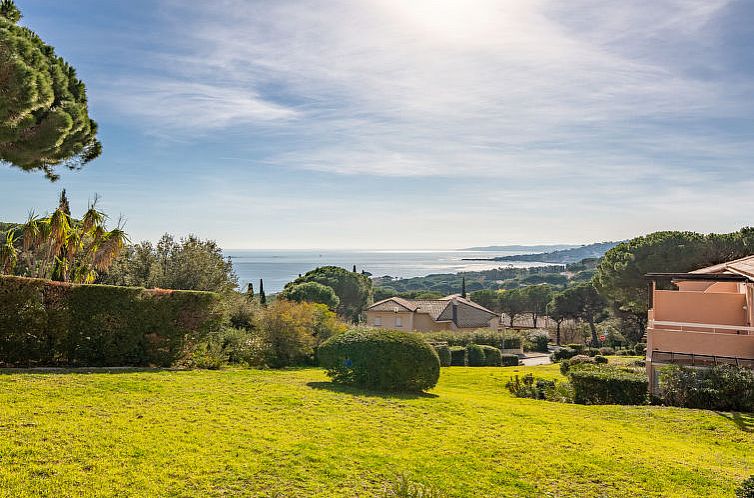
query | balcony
(698,360)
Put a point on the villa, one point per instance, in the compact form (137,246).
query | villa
(708,321)
(427,315)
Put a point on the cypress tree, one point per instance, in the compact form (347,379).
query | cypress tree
(250,291)
(44,116)
(354,268)
(262,296)
(463,288)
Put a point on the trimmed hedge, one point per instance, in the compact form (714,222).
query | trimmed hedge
(723,387)
(489,337)
(475,355)
(443,352)
(44,323)
(509,360)
(602,385)
(493,357)
(458,356)
(385,360)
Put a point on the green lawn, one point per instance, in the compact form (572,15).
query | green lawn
(291,433)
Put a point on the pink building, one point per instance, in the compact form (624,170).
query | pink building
(708,321)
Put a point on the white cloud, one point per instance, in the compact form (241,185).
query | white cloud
(489,88)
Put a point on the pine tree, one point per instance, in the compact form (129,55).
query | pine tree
(262,296)
(63,204)
(44,117)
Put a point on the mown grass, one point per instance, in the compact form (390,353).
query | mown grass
(291,433)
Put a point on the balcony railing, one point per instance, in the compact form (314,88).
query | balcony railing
(699,360)
(701,327)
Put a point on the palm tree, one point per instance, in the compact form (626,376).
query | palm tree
(59,247)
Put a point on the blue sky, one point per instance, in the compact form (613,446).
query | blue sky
(407,123)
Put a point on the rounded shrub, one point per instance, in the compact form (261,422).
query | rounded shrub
(457,356)
(509,360)
(581,359)
(563,354)
(493,357)
(746,489)
(475,355)
(379,359)
(443,352)
(600,359)
(607,351)
(640,349)
(577,347)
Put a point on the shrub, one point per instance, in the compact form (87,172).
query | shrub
(509,360)
(640,349)
(458,356)
(489,337)
(591,352)
(293,331)
(404,487)
(443,352)
(624,352)
(746,489)
(380,359)
(539,341)
(529,387)
(607,351)
(576,347)
(563,354)
(493,357)
(724,388)
(600,359)
(60,324)
(234,346)
(607,386)
(581,359)
(475,355)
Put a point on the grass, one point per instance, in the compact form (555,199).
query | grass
(292,433)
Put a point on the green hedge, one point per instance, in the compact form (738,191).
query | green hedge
(602,385)
(489,337)
(723,388)
(492,356)
(443,352)
(458,356)
(45,323)
(475,355)
(510,360)
(380,359)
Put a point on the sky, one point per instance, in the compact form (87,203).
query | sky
(401,124)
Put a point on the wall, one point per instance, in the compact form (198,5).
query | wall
(700,307)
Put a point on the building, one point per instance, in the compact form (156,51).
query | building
(708,320)
(427,315)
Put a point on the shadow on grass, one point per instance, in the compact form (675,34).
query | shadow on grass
(744,421)
(84,370)
(340,388)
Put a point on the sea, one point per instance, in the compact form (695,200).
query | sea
(278,267)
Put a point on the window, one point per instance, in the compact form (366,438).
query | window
(398,321)
(377,321)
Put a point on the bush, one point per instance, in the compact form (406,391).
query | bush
(607,351)
(232,346)
(488,337)
(600,359)
(539,341)
(563,354)
(45,323)
(576,347)
(624,352)
(640,349)
(443,352)
(591,352)
(475,355)
(380,359)
(530,387)
(746,489)
(509,360)
(458,356)
(608,386)
(493,357)
(724,388)
(581,359)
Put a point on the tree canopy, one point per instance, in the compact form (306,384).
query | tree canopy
(187,264)
(312,292)
(44,116)
(353,289)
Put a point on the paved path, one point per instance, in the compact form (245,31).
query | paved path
(543,359)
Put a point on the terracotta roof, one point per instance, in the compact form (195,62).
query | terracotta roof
(469,313)
(743,266)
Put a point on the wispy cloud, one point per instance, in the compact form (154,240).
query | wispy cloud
(489,88)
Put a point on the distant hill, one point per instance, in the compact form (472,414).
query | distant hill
(537,248)
(571,255)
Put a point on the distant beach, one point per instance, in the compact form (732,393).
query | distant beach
(278,267)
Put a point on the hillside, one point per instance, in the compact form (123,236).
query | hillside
(523,248)
(573,255)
